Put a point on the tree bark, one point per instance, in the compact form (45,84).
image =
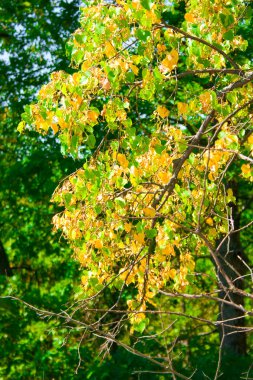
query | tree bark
(5,268)
(231,258)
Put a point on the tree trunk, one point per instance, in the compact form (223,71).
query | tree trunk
(5,268)
(232,265)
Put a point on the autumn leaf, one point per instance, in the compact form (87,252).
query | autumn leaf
(109,49)
(127,227)
(140,237)
(98,243)
(209,221)
(92,115)
(162,111)
(122,160)
(149,211)
(170,62)
(164,177)
(189,17)
(182,108)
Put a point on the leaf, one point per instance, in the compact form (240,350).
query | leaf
(134,68)
(228,35)
(91,141)
(182,108)
(189,17)
(140,237)
(151,233)
(143,35)
(140,327)
(149,211)
(21,127)
(172,273)
(92,115)
(109,49)
(170,62)
(209,221)
(164,177)
(147,4)
(127,227)
(205,99)
(98,243)
(122,160)
(162,111)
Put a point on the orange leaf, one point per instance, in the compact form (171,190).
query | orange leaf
(182,108)
(169,63)
(122,160)
(149,211)
(92,115)
(140,237)
(98,244)
(162,111)
(189,17)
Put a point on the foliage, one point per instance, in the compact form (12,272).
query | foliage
(32,40)
(161,95)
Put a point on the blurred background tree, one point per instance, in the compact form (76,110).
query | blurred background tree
(33,264)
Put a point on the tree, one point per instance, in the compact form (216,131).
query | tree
(38,268)
(162,97)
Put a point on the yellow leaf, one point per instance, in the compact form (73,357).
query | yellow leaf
(212,232)
(122,160)
(76,77)
(98,243)
(209,221)
(169,62)
(54,127)
(139,317)
(130,304)
(189,17)
(246,169)
(250,139)
(134,69)
(164,177)
(109,50)
(86,65)
(92,115)
(205,100)
(182,108)
(162,111)
(21,127)
(172,273)
(168,250)
(127,227)
(62,123)
(149,211)
(161,48)
(230,196)
(140,238)
(121,115)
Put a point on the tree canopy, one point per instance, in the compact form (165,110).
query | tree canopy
(158,106)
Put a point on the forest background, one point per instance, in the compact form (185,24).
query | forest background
(38,266)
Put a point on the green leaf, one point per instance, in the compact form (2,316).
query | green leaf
(151,233)
(143,35)
(147,4)
(91,141)
(227,20)
(228,35)
(140,327)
